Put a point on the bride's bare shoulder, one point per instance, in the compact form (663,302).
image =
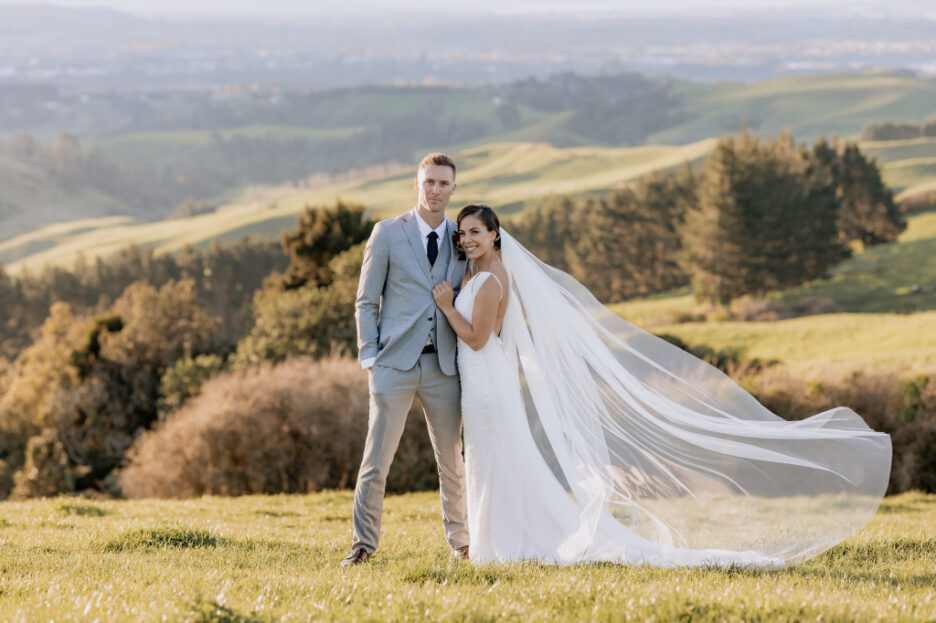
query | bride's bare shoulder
(502,280)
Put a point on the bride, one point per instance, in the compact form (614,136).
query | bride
(588,439)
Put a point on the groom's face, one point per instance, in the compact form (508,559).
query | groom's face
(435,184)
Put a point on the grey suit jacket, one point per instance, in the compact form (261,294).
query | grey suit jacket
(394,310)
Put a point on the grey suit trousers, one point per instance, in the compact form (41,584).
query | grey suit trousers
(391,396)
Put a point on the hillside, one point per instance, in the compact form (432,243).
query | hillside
(875,289)
(506,175)
(809,106)
(169,146)
(509,176)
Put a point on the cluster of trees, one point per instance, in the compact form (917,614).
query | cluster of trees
(757,215)
(622,109)
(128,341)
(890,131)
(224,278)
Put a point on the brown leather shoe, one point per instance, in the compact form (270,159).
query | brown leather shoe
(358,555)
(461,553)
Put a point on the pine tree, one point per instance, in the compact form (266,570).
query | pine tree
(764,219)
(716,238)
(868,213)
(321,234)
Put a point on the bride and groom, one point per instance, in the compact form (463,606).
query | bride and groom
(585,438)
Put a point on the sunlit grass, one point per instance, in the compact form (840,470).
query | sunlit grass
(275,558)
(849,339)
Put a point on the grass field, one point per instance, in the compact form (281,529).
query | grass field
(274,558)
(808,106)
(848,339)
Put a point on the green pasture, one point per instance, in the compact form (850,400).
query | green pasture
(853,340)
(890,151)
(906,174)
(275,558)
(807,105)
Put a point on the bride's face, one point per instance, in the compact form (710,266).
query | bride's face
(475,237)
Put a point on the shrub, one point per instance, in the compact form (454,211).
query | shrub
(298,426)
(749,308)
(883,397)
(47,471)
(184,380)
(814,305)
(306,321)
(920,201)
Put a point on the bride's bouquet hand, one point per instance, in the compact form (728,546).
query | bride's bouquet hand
(444,295)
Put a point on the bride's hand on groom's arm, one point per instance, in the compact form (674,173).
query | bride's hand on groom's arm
(444,295)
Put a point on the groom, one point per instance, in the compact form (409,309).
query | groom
(408,348)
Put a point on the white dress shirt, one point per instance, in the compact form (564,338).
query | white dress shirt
(424,230)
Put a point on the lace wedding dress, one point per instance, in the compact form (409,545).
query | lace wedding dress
(587,439)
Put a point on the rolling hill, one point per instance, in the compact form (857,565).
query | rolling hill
(212,150)
(506,175)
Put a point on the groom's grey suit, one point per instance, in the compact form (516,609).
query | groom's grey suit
(396,315)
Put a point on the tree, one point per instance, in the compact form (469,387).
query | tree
(95,381)
(763,219)
(14,330)
(868,213)
(321,234)
(311,321)
(548,230)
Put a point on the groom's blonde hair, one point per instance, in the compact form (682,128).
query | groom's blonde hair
(437,158)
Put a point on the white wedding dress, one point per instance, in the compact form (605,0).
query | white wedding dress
(590,440)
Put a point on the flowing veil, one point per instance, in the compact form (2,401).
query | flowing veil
(651,441)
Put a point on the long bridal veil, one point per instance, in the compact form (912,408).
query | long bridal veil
(655,442)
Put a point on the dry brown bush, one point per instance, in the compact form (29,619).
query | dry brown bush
(298,426)
(813,305)
(750,308)
(919,201)
(879,395)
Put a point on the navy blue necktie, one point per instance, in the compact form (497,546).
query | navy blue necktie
(432,249)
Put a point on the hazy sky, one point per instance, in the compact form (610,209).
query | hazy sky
(278,9)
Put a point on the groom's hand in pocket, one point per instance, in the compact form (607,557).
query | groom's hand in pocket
(443,295)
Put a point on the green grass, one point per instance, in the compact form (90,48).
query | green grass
(807,105)
(274,558)
(847,339)
(890,151)
(905,174)
(881,279)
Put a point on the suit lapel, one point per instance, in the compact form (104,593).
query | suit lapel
(450,229)
(412,233)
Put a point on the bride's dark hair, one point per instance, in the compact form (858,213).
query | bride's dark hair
(487,216)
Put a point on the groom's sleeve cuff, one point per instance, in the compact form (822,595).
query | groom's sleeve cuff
(366,363)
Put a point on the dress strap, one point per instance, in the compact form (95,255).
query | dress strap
(499,285)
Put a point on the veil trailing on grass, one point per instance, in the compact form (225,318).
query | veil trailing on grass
(650,440)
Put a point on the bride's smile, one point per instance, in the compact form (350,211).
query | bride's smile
(475,238)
